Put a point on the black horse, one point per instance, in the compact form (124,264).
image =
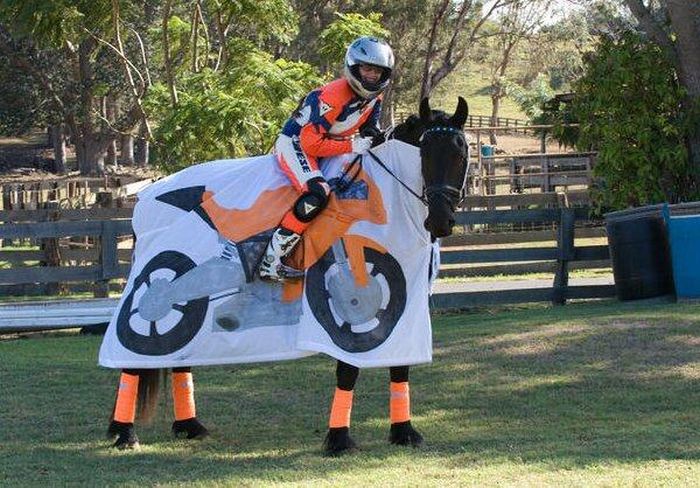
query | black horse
(444,159)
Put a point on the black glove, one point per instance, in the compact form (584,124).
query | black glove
(373,132)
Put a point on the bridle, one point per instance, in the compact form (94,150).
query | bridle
(452,194)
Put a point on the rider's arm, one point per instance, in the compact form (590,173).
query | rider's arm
(314,137)
(373,119)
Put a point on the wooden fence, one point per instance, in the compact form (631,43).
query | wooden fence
(561,255)
(66,246)
(108,252)
(68,192)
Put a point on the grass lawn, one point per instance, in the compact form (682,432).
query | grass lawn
(590,394)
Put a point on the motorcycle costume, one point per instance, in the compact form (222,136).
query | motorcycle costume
(322,126)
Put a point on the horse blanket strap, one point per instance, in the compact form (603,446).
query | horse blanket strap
(381,163)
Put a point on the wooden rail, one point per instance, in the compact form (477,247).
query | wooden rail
(484,121)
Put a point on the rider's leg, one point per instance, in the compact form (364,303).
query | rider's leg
(338,439)
(122,424)
(305,176)
(402,432)
(184,407)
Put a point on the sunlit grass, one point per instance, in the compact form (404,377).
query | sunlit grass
(594,394)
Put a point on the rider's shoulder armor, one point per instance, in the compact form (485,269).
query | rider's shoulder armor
(332,109)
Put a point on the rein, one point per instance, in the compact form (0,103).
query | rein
(343,185)
(451,192)
(422,198)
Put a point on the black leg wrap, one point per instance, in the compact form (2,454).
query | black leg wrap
(190,429)
(403,434)
(346,376)
(398,374)
(338,442)
(124,435)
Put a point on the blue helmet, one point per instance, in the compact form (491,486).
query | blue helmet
(368,50)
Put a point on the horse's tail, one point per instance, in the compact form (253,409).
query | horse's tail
(149,381)
(149,388)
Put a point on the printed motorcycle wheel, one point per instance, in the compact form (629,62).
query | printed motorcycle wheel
(342,334)
(186,326)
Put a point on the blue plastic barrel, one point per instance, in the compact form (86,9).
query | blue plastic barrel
(684,234)
(486,150)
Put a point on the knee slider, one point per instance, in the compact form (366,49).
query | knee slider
(309,205)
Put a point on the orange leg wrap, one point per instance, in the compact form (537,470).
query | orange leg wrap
(341,409)
(183,396)
(125,406)
(400,403)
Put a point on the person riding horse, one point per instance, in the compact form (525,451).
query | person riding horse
(321,127)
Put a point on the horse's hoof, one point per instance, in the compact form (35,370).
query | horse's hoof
(403,434)
(190,428)
(124,434)
(338,442)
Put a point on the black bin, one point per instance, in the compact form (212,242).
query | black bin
(640,252)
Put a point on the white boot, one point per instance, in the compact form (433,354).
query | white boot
(281,244)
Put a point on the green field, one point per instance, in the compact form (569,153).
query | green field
(592,394)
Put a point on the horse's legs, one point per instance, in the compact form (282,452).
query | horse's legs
(338,439)
(402,432)
(121,425)
(186,422)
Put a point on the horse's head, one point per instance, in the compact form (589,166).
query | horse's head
(444,158)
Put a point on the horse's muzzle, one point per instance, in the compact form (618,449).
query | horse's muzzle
(441,229)
(440,218)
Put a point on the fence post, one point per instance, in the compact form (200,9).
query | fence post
(107,242)
(565,246)
(52,252)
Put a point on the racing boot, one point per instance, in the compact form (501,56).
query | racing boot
(281,244)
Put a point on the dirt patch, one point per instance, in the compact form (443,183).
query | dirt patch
(519,144)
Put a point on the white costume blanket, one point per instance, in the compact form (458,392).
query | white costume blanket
(193,297)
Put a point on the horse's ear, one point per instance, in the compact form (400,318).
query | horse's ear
(424,110)
(461,114)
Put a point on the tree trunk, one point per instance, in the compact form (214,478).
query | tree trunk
(684,21)
(495,106)
(111,115)
(142,147)
(127,149)
(58,142)
(112,154)
(387,115)
(91,156)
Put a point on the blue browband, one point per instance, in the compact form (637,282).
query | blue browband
(443,129)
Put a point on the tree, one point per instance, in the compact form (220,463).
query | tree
(628,105)
(83,68)
(223,95)
(231,114)
(337,36)
(516,22)
(673,25)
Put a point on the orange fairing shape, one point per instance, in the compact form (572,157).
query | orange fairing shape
(334,222)
(238,225)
